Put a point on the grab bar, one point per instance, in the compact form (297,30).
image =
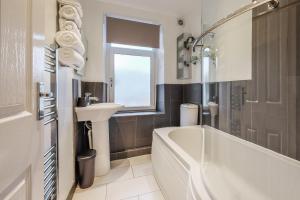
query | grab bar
(271,3)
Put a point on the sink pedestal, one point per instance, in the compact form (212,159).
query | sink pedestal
(99,115)
(101,145)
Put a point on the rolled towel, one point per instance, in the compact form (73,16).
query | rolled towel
(71,40)
(65,25)
(69,57)
(74,3)
(70,13)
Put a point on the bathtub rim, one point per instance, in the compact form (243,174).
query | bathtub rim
(252,145)
(163,134)
(192,166)
(196,169)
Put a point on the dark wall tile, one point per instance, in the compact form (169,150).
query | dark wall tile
(176,92)
(160,106)
(192,93)
(160,98)
(161,121)
(175,113)
(167,92)
(298,118)
(122,133)
(130,153)
(97,89)
(160,92)
(145,126)
(128,133)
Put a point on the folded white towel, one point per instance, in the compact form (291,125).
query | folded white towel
(65,25)
(81,71)
(69,57)
(70,13)
(71,40)
(74,3)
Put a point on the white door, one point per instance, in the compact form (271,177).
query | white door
(21,60)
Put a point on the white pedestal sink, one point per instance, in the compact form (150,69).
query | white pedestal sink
(99,115)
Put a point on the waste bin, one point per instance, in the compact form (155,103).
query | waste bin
(86,165)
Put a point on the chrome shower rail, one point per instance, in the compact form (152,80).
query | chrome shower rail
(272,4)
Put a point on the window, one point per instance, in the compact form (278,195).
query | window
(132,76)
(131,48)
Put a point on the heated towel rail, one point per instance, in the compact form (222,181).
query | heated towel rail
(50,174)
(47,111)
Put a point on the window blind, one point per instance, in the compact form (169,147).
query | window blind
(134,33)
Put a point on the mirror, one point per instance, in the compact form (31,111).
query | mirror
(227,51)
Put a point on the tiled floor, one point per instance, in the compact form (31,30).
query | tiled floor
(129,179)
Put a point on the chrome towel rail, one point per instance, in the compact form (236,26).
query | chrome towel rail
(50,174)
(272,4)
(50,58)
(50,106)
(49,114)
(47,111)
(49,121)
(47,100)
(42,99)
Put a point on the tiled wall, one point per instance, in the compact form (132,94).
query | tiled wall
(132,135)
(266,109)
(97,89)
(268,124)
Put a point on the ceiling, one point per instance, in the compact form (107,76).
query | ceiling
(175,7)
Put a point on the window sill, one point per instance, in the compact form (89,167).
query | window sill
(145,113)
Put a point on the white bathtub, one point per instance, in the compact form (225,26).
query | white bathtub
(202,163)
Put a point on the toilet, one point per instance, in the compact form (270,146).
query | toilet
(189,114)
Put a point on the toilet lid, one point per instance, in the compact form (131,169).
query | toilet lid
(189,106)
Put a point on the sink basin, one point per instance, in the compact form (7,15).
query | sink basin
(99,115)
(97,112)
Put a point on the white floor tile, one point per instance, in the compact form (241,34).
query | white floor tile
(152,196)
(120,163)
(132,198)
(94,193)
(142,169)
(131,188)
(140,160)
(116,174)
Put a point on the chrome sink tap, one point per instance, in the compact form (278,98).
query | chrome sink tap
(91,99)
(94,99)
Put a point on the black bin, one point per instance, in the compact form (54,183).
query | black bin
(86,165)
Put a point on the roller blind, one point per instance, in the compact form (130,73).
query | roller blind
(134,33)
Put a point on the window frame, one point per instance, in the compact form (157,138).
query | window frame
(112,50)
